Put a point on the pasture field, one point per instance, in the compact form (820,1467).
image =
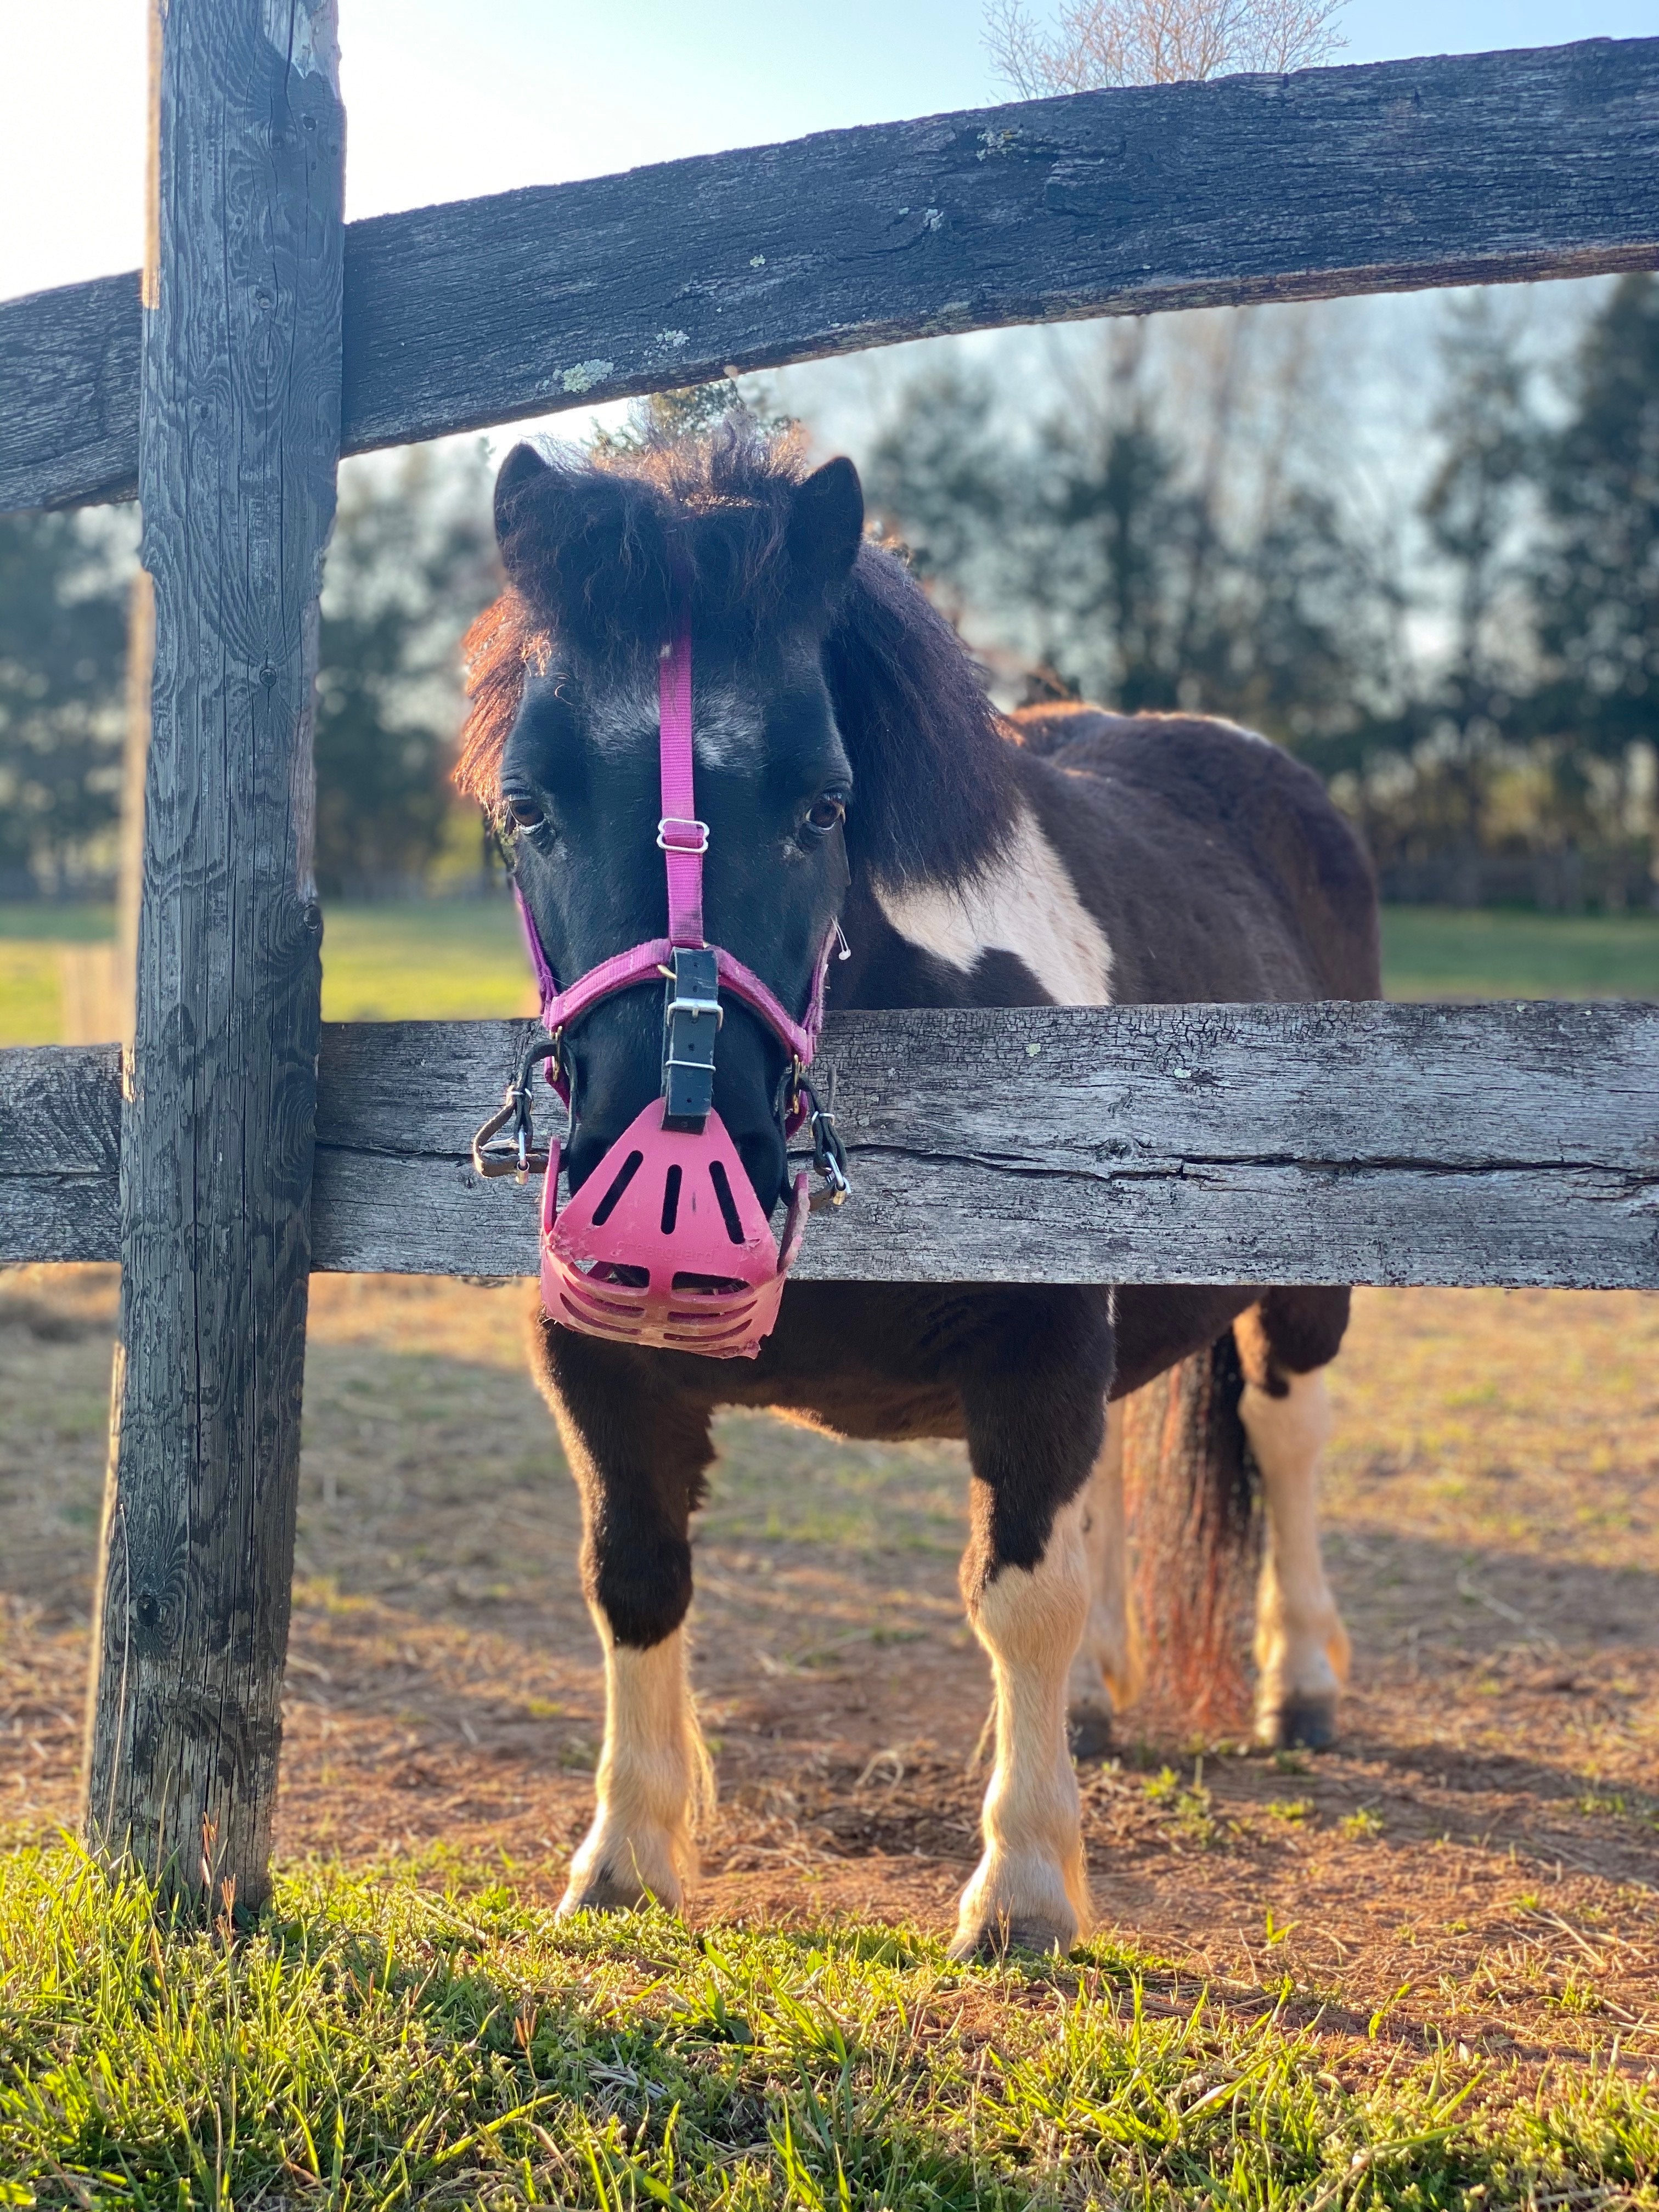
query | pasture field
(463,959)
(1420,1971)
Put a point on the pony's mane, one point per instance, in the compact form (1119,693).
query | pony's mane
(932,763)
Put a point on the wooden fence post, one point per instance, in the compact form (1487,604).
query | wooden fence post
(239,444)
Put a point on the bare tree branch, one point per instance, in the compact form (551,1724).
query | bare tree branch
(1094,43)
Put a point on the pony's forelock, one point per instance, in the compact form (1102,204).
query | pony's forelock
(933,795)
(498,652)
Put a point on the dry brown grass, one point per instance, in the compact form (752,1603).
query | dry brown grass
(1479,1859)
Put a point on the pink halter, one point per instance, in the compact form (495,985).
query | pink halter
(666,1243)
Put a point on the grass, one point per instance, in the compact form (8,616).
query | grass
(439,961)
(1444,952)
(373,2043)
(463,959)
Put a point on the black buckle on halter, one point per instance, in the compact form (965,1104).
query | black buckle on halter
(691,1017)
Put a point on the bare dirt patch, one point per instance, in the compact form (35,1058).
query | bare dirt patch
(1478,1863)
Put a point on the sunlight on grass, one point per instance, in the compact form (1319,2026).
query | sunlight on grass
(460,961)
(463,960)
(374,2044)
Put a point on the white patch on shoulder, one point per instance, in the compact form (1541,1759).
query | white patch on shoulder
(1024,903)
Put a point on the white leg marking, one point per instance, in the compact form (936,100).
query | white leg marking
(1026,903)
(1301,1645)
(1110,1656)
(654,1775)
(1030,1888)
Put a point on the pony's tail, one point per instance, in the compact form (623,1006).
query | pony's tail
(1193,1493)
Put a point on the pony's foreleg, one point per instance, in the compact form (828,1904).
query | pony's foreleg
(1301,1644)
(1035,1424)
(637,1488)
(1107,1673)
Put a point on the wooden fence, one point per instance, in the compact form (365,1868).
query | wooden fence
(238,1144)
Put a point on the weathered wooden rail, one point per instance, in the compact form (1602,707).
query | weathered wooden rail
(1372,1143)
(238,1146)
(1464,168)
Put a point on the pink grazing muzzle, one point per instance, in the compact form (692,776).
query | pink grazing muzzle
(666,1243)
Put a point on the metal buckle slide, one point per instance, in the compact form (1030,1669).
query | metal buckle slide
(669,841)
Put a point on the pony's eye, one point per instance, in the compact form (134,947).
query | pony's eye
(829,811)
(525,812)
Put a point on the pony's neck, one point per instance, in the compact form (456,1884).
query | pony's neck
(934,786)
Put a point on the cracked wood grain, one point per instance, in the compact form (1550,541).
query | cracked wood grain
(1471,168)
(1514,1143)
(240,442)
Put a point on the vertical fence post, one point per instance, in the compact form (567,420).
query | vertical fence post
(239,444)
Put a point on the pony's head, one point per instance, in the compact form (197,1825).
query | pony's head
(606,561)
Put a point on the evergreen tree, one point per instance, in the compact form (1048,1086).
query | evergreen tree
(412,562)
(63,586)
(1113,550)
(1597,572)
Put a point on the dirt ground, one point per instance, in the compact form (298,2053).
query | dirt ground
(1479,1862)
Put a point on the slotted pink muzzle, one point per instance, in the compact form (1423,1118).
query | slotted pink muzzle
(666,1244)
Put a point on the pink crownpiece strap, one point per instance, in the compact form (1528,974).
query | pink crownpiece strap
(680,835)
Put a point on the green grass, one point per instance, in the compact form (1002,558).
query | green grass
(1443,952)
(373,2043)
(452,961)
(64,924)
(442,961)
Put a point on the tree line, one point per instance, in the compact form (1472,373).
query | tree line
(412,560)
(1477,679)
(1171,517)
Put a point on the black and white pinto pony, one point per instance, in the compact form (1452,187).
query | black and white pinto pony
(849,763)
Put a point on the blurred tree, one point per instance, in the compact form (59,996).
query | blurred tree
(1529,732)
(1160,541)
(64,586)
(1597,572)
(1426,777)
(940,468)
(1097,43)
(412,561)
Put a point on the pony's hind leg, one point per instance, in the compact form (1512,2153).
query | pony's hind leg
(1300,1646)
(1034,1408)
(1106,1674)
(638,1458)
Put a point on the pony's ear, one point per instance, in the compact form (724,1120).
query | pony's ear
(585,549)
(826,522)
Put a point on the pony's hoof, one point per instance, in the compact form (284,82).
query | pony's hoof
(1088,1732)
(986,1941)
(603,1892)
(1301,1723)
(606,1889)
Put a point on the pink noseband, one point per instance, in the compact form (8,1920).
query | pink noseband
(666,1243)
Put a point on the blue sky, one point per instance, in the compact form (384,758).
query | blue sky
(532,91)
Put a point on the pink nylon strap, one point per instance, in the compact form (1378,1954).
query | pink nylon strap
(683,841)
(681,835)
(644,962)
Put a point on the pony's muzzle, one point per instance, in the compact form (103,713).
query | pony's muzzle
(667,1244)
